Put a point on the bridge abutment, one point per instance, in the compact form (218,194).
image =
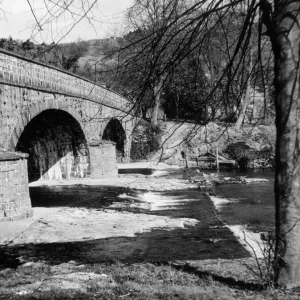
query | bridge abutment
(15,202)
(103,159)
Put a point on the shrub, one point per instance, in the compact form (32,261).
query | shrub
(146,139)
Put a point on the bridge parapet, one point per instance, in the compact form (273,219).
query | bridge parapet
(22,72)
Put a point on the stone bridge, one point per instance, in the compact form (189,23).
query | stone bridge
(55,126)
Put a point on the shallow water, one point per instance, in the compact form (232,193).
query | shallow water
(143,171)
(250,204)
(207,240)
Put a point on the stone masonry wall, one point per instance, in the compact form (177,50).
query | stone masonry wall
(27,88)
(103,159)
(21,71)
(14,194)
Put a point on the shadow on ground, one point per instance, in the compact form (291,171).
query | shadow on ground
(209,239)
(79,195)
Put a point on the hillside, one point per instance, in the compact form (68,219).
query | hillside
(196,140)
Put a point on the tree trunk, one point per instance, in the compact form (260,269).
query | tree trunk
(246,97)
(157,93)
(286,46)
(177,106)
(245,101)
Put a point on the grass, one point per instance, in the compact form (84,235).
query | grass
(194,280)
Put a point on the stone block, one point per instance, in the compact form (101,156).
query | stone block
(11,206)
(5,169)
(12,213)
(11,190)
(14,163)
(24,196)
(16,200)
(7,198)
(4,206)
(10,175)
(5,183)
(21,189)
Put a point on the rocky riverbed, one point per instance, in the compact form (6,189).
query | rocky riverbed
(121,216)
(76,210)
(127,206)
(131,219)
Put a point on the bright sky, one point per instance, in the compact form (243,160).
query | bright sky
(18,21)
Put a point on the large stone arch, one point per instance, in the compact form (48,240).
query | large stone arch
(56,146)
(54,138)
(35,109)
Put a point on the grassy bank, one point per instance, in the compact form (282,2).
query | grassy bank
(210,279)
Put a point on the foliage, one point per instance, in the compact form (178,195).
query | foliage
(241,152)
(61,56)
(145,140)
(195,67)
(266,264)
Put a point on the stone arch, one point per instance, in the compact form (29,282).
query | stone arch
(56,145)
(114,132)
(35,109)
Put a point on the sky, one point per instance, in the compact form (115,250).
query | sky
(23,21)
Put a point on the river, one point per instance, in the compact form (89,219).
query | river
(249,204)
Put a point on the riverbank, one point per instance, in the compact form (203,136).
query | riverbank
(219,279)
(133,237)
(188,143)
(57,218)
(122,213)
(77,210)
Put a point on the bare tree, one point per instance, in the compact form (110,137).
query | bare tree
(280,22)
(55,19)
(176,31)
(143,71)
(169,32)
(283,23)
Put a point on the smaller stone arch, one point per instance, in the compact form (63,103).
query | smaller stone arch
(114,132)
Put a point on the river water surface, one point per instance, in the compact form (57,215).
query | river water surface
(250,204)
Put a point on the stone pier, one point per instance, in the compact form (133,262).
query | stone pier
(103,159)
(14,194)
